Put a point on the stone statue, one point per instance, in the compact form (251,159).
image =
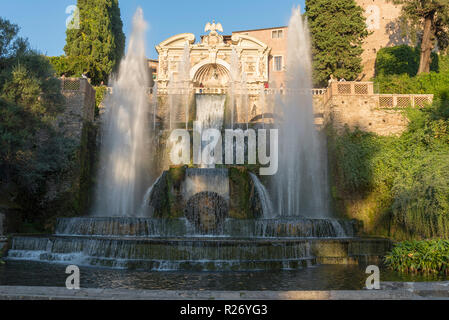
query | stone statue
(212,27)
(213,38)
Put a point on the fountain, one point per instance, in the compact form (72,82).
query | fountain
(301,182)
(214,217)
(123,153)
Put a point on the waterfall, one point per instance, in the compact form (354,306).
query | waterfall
(184,72)
(244,103)
(154,104)
(301,184)
(235,76)
(146,198)
(264,197)
(210,110)
(211,179)
(123,152)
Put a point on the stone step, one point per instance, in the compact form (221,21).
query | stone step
(200,253)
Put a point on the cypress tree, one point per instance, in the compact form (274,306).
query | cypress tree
(98,45)
(338,29)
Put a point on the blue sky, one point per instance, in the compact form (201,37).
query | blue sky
(43,21)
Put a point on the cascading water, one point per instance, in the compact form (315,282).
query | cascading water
(146,198)
(265,201)
(210,110)
(185,78)
(235,75)
(300,184)
(244,105)
(122,180)
(154,104)
(200,180)
(209,115)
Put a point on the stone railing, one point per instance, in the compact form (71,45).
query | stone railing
(75,84)
(404,100)
(80,100)
(224,90)
(348,88)
(319,92)
(355,88)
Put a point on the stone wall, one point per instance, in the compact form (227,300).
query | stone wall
(355,105)
(79,107)
(75,122)
(382,21)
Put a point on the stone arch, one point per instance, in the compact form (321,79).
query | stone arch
(211,75)
(210,61)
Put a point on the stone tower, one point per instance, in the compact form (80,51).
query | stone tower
(382,19)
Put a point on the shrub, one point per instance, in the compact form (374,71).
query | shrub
(401,59)
(61,65)
(100,93)
(404,178)
(430,256)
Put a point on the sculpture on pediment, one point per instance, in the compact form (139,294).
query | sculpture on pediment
(213,38)
(213,27)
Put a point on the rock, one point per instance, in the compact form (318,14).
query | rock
(207,212)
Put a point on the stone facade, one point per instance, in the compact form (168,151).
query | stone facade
(211,60)
(382,20)
(276,40)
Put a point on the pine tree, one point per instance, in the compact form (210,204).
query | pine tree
(98,45)
(430,19)
(338,29)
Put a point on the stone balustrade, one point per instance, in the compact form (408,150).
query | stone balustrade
(224,90)
(344,103)
(404,100)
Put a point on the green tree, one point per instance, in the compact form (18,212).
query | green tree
(430,19)
(98,45)
(338,29)
(30,100)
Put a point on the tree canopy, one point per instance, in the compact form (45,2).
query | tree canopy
(98,45)
(30,99)
(338,29)
(430,20)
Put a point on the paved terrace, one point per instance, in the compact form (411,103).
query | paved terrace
(389,291)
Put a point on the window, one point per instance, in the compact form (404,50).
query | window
(277,34)
(278,63)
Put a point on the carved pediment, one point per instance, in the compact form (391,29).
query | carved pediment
(243,40)
(177,41)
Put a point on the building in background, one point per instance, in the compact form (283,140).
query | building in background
(276,40)
(152,65)
(382,21)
